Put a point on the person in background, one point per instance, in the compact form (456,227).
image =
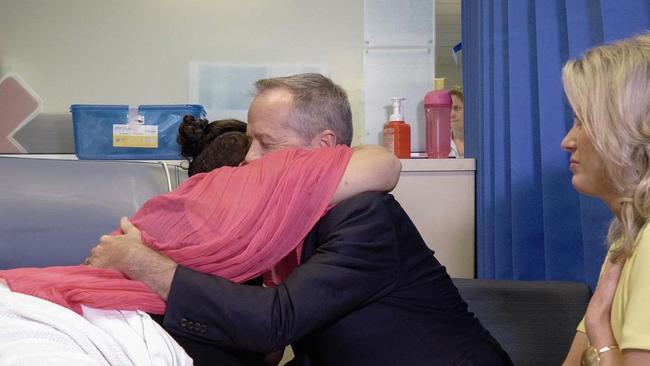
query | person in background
(365,289)
(457,124)
(609,91)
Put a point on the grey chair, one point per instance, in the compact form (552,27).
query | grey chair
(534,321)
(52,212)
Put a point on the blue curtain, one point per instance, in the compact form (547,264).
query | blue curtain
(531,224)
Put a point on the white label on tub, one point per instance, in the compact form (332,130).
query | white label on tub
(132,135)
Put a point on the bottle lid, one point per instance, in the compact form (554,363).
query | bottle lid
(397,109)
(439,83)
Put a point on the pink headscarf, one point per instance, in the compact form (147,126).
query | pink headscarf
(236,223)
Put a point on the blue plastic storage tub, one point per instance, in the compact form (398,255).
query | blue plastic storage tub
(96,135)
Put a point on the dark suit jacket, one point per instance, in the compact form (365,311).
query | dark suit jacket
(369,292)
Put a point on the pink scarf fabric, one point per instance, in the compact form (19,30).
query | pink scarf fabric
(236,223)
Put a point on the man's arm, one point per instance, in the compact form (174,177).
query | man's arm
(355,263)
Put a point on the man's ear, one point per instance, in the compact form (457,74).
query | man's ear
(326,138)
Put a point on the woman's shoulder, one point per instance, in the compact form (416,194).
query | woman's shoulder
(643,239)
(642,244)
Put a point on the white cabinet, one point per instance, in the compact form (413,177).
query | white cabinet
(438,195)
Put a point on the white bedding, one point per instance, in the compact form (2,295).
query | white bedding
(34,331)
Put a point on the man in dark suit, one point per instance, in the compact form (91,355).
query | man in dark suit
(368,292)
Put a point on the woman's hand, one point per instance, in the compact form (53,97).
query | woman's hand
(598,315)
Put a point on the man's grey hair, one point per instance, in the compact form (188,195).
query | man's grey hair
(318,105)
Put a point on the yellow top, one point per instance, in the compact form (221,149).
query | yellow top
(630,316)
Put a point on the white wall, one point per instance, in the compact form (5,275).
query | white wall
(448,34)
(451,72)
(138,51)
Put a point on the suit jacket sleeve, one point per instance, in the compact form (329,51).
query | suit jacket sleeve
(355,262)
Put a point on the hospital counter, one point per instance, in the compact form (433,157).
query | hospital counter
(439,196)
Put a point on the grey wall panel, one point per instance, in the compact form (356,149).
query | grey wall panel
(52,212)
(47,134)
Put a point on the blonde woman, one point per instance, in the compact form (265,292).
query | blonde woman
(609,91)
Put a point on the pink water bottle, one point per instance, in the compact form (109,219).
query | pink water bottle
(437,110)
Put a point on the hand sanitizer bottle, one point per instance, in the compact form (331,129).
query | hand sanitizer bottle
(397,133)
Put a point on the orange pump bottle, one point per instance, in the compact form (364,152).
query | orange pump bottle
(397,133)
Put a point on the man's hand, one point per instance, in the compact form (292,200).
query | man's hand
(126,253)
(113,251)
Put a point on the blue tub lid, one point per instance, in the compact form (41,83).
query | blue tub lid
(104,107)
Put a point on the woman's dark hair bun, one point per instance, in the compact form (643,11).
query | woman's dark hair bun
(191,135)
(194,134)
(212,145)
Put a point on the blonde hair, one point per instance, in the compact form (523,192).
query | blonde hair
(609,91)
